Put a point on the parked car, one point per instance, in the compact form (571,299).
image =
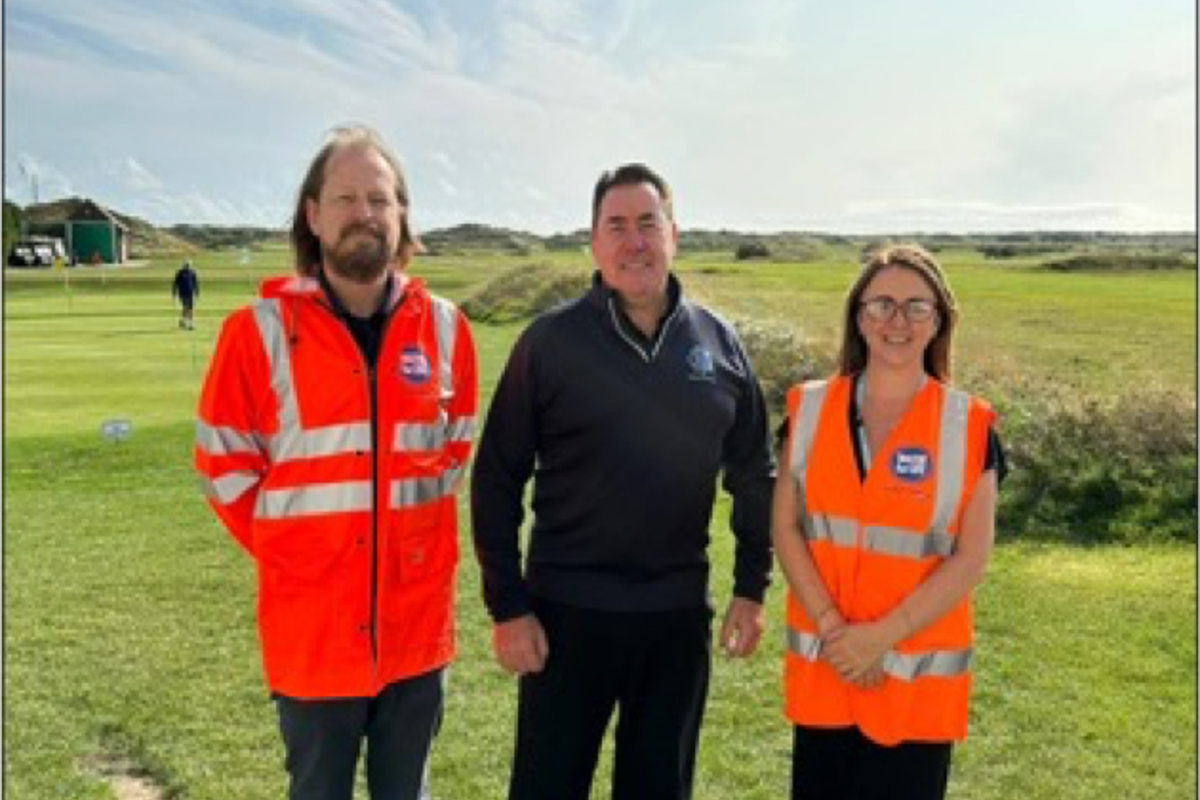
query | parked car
(27,252)
(31,254)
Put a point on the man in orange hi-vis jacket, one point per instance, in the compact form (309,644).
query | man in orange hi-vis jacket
(334,427)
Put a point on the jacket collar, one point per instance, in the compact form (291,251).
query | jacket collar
(385,299)
(606,301)
(600,295)
(311,288)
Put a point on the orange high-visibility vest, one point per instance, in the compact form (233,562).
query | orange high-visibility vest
(339,480)
(873,542)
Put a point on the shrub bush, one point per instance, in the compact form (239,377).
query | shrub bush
(1107,262)
(1095,471)
(525,292)
(750,250)
(782,357)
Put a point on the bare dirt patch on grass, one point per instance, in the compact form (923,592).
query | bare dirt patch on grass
(129,780)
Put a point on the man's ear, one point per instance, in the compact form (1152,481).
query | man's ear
(312,214)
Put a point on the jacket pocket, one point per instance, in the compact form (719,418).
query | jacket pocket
(423,542)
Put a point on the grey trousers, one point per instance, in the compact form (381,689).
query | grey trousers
(323,739)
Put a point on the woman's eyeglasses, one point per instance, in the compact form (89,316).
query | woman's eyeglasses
(882,309)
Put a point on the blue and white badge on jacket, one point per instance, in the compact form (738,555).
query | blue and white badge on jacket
(414,366)
(912,464)
(700,364)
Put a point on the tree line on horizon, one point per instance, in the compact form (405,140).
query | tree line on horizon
(1169,249)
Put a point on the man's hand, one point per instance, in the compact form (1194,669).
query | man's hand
(742,627)
(520,645)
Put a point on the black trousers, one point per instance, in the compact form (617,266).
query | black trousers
(323,739)
(842,764)
(651,666)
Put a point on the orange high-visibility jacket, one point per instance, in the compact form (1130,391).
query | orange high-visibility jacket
(340,481)
(873,542)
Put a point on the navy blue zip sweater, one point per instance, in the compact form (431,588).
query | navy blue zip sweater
(625,439)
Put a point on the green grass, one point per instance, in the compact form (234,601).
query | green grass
(1096,333)
(129,621)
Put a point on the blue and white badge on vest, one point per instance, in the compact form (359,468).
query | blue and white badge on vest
(414,366)
(700,364)
(912,464)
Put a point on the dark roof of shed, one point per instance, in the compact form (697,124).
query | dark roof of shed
(72,209)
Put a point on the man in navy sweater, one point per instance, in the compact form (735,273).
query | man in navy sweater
(186,286)
(624,406)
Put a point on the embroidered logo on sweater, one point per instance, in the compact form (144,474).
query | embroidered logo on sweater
(912,464)
(700,364)
(414,366)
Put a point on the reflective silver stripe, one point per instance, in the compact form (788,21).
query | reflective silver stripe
(446,329)
(293,442)
(905,542)
(811,401)
(229,487)
(901,666)
(330,440)
(419,436)
(838,530)
(451,478)
(221,440)
(804,644)
(461,429)
(889,540)
(952,457)
(432,435)
(268,314)
(410,492)
(321,498)
(930,664)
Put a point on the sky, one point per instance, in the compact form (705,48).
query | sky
(842,116)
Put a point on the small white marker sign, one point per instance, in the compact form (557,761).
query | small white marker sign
(116,430)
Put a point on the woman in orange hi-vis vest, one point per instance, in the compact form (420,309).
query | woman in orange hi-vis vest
(883,523)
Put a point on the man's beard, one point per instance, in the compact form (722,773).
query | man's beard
(361,260)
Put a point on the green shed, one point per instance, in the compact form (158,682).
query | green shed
(95,235)
(90,232)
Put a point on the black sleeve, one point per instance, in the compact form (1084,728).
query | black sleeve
(503,465)
(749,478)
(781,435)
(995,458)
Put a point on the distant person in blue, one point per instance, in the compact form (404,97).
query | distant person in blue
(186,287)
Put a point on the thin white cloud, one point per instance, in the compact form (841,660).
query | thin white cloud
(978,215)
(129,172)
(444,161)
(28,179)
(561,21)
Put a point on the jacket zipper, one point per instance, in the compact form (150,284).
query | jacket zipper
(373,384)
(373,555)
(662,335)
(372,388)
